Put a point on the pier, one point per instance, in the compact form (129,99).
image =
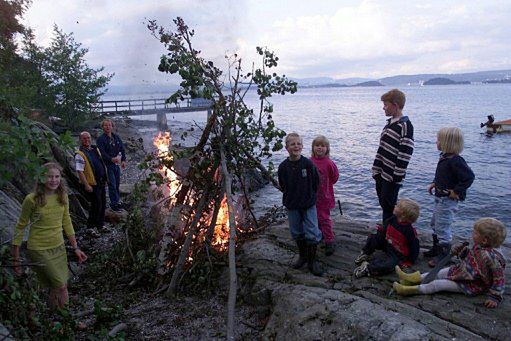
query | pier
(151,106)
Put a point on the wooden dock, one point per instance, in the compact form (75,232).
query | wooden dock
(151,106)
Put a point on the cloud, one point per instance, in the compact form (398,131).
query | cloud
(370,38)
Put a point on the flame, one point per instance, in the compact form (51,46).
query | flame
(221,236)
(162,143)
(221,233)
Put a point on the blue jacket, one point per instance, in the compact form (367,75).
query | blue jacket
(110,148)
(452,172)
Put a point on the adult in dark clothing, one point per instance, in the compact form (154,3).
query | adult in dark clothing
(92,173)
(394,152)
(112,149)
(299,181)
(397,238)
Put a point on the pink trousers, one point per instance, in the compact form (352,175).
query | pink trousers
(325,224)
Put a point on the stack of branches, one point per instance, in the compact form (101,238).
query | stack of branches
(236,138)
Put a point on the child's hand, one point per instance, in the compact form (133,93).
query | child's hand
(430,188)
(490,304)
(453,195)
(82,257)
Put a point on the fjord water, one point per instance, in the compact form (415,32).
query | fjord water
(352,119)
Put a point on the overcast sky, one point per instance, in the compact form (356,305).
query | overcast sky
(339,39)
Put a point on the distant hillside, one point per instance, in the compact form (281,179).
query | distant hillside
(369,83)
(456,77)
(443,81)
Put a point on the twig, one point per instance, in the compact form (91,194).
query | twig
(118,328)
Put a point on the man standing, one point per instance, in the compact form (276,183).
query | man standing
(112,149)
(92,173)
(394,151)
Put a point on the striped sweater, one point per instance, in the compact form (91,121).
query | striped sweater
(394,151)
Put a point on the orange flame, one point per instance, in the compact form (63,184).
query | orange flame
(221,234)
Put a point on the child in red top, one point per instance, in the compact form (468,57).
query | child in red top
(481,269)
(328,176)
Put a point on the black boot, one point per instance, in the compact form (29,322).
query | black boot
(314,267)
(302,251)
(445,250)
(434,250)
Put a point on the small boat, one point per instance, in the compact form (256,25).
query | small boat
(493,127)
(499,127)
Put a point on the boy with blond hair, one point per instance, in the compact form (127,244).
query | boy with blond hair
(394,151)
(396,237)
(299,181)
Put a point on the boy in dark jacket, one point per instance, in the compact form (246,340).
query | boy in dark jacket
(397,238)
(299,181)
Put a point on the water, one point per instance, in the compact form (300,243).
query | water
(352,118)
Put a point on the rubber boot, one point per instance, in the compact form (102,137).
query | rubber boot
(408,279)
(434,250)
(302,252)
(445,250)
(314,267)
(406,290)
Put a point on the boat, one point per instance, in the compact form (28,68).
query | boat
(499,127)
(493,127)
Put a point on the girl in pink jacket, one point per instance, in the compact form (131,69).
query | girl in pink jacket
(328,176)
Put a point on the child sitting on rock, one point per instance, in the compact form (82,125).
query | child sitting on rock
(397,238)
(481,269)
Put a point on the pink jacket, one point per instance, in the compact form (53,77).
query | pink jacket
(328,176)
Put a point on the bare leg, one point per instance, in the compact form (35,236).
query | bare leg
(59,297)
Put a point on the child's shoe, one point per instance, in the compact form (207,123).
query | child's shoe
(329,249)
(362,257)
(302,251)
(445,250)
(313,266)
(408,279)
(406,290)
(435,248)
(362,270)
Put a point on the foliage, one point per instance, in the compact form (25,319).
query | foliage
(23,311)
(71,83)
(25,147)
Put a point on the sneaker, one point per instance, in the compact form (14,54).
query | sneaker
(329,249)
(362,270)
(362,257)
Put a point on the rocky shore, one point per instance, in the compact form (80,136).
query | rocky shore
(340,307)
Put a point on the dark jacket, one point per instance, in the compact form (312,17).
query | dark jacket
(299,181)
(452,172)
(110,148)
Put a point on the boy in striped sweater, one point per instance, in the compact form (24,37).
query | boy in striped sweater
(394,151)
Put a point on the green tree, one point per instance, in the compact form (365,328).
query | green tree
(72,83)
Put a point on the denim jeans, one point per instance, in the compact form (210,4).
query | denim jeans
(114,180)
(443,217)
(303,224)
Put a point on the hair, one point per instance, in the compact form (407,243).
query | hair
(107,120)
(320,139)
(40,187)
(291,136)
(492,229)
(450,140)
(410,210)
(395,96)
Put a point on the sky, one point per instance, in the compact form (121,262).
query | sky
(327,38)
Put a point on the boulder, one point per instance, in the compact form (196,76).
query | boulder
(336,306)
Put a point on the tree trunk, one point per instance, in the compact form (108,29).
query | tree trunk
(233,280)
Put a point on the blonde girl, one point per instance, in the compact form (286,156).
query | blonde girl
(481,269)
(452,179)
(328,176)
(47,212)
